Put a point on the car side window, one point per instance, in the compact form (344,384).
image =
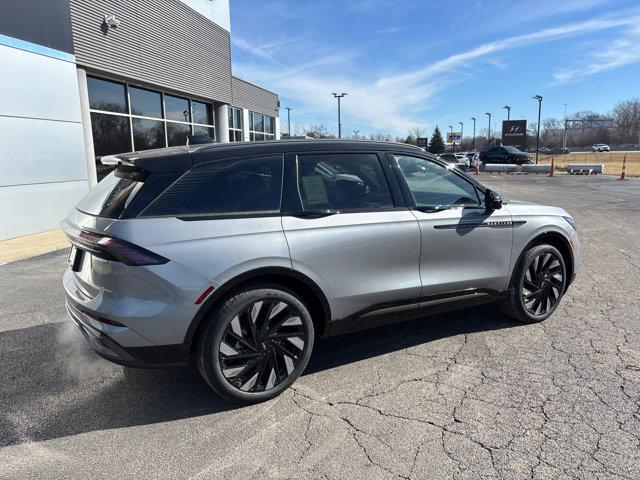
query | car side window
(231,187)
(433,185)
(343,182)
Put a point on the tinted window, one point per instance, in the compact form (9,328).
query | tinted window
(176,108)
(512,149)
(177,134)
(106,95)
(110,134)
(435,186)
(342,182)
(241,186)
(145,102)
(201,113)
(110,197)
(147,134)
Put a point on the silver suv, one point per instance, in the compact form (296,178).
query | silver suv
(239,256)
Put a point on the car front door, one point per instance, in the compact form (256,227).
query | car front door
(349,230)
(462,246)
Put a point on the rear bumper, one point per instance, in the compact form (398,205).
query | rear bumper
(161,356)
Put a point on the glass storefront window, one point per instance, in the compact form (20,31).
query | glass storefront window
(176,108)
(177,134)
(110,134)
(148,134)
(106,95)
(201,113)
(200,130)
(145,102)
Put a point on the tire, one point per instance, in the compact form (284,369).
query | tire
(246,360)
(542,270)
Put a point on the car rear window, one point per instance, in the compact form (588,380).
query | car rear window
(232,187)
(110,197)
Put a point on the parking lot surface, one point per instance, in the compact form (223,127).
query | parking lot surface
(465,395)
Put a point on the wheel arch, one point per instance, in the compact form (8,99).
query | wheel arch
(299,283)
(556,240)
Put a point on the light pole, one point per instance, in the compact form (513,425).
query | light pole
(289,121)
(489,133)
(508,109)
(474,133)
(356,132)
(539,99)
(461,134)
(453,144)
(339,96)
(564,137)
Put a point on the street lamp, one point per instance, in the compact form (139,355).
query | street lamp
(339,96)
(356,132)
(461,134)
(489,133)
(539,99)
(508,109)
(453,144)
(474,133)
(289,120)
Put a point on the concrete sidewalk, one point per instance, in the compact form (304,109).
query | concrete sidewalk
(31,245)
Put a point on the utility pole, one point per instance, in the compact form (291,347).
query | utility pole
(539,99)
(339,96)
(474,133)
(289,121)
(508,109)
(453,143)
(461,134)
(489,133)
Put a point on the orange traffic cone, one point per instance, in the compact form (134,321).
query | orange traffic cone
(623,175)
(553,167)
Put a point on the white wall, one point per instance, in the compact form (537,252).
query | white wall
(215,10)
(42,155)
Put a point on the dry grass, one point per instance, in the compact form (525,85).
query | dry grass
(612,161)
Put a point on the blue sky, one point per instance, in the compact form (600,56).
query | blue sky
(428,63)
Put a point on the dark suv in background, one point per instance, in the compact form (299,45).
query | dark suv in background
(510,155)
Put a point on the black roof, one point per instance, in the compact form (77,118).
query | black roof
(179,158)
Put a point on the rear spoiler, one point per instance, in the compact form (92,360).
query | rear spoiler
(125,169)
(138,165)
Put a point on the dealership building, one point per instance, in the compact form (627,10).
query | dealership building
(81,79)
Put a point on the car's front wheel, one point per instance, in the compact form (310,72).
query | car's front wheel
(256,343)
(537,285)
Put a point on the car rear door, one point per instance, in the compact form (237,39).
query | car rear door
(349,230)
(462,246)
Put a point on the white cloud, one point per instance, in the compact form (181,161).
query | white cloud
(393,103)
(620,52)
(388,31)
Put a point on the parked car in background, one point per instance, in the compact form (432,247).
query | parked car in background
(510,155)
(600,147)
(453,159)
(238,256)
(472,159)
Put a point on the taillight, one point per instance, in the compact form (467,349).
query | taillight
(116,249)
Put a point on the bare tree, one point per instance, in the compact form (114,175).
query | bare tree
(414,134)
(627,120)
(318,131)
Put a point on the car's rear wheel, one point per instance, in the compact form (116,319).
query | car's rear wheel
(537,285)
(256,344)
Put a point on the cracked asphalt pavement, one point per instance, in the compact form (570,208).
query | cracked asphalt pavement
(465,395)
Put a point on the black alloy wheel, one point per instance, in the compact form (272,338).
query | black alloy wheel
(543,284)
(537,285)
(256,343)
(262,345)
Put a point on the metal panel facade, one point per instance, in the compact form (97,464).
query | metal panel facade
(254,98)
(159,42)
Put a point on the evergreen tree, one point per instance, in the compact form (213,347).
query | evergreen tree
(436,144)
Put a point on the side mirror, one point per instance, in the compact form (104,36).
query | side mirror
(492,200)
